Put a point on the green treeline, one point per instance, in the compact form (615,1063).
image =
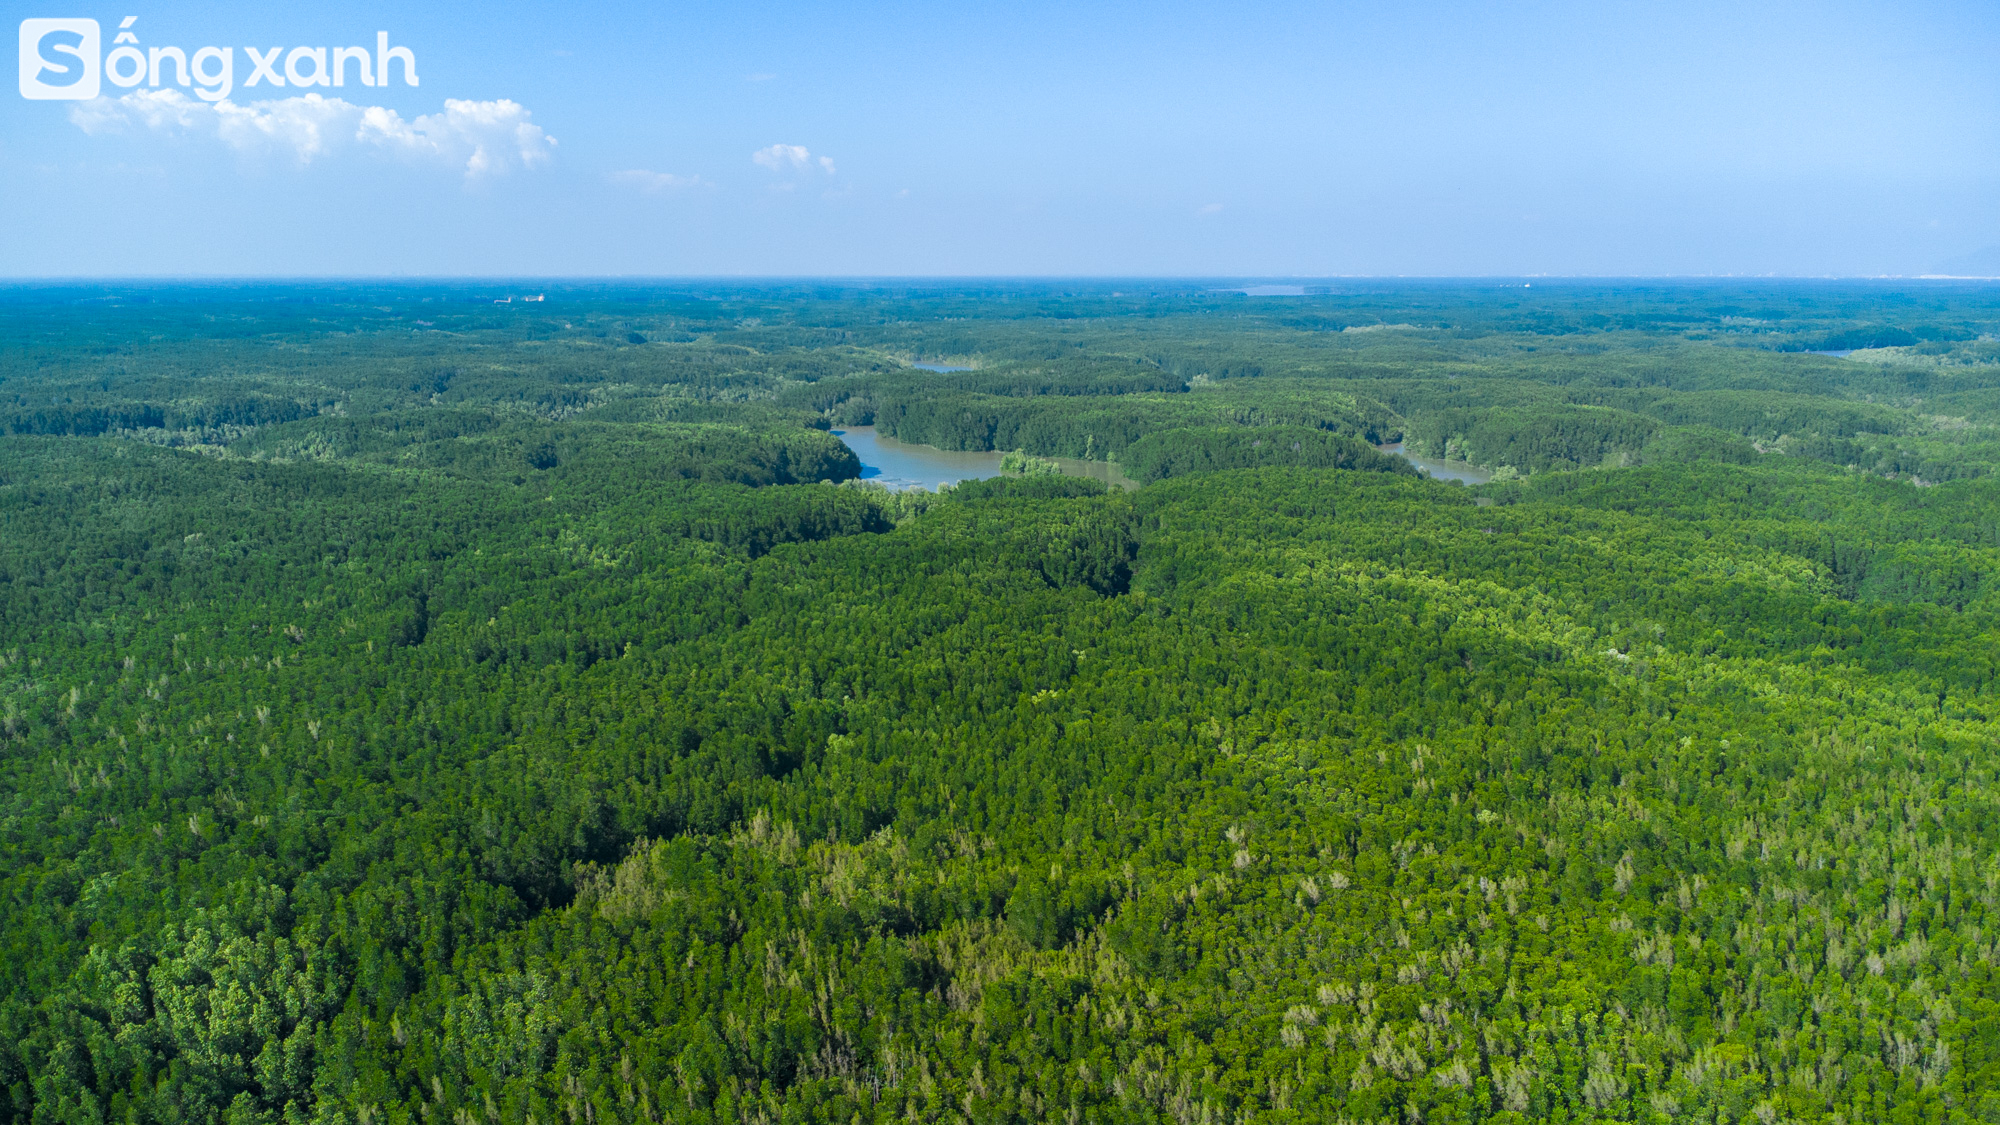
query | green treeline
(490,445)
(1097,425)
(91,420)
(1176,453)
(1533,438)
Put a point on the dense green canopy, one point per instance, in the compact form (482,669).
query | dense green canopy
(417,712)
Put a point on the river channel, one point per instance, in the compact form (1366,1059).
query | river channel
(900,465)
(1440,470)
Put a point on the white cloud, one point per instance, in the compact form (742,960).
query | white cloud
(779,157)
(484,138)
(792,158)
(153,109)
(489,136)
(654,182)
(300,124)
(1209,209)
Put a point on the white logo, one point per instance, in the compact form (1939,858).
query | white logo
(65,50)
(60,60)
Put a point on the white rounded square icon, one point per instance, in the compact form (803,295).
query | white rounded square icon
(59,59)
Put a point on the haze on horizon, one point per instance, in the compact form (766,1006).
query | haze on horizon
(1177,139)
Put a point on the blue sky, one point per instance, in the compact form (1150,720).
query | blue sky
(1267,139)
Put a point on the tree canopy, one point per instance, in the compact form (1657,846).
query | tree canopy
(413,711)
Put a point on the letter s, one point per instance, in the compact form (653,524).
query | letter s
(43,43)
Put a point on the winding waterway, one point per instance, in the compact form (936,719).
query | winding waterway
(1440,470)
(901,465)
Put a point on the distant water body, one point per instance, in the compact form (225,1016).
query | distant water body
(1267,291)
(1440,470)
(901,465)
(940,367)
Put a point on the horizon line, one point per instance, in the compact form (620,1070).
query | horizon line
(1189,279)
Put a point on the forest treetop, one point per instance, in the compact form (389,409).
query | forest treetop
(421,709)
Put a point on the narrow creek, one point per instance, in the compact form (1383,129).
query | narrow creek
(900,465)
(1440,470)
